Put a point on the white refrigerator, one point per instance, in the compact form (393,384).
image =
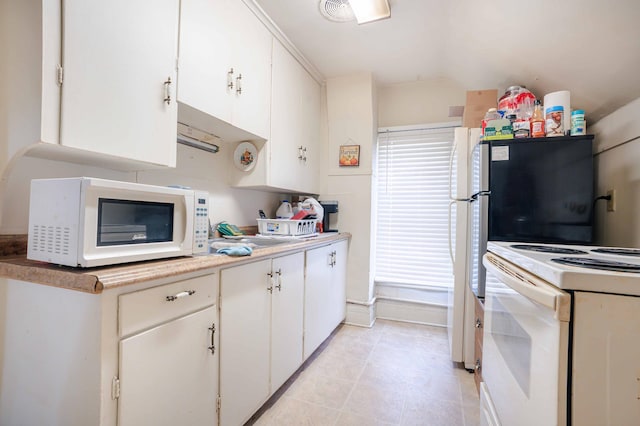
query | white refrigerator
(468,187)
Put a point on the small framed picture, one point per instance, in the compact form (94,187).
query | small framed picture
(349,155)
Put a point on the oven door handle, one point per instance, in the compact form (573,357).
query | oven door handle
(530,286)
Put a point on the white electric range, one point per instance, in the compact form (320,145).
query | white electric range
(561,335)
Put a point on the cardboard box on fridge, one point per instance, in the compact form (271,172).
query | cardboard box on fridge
(478,102)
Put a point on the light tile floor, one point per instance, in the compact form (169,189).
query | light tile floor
(394,373)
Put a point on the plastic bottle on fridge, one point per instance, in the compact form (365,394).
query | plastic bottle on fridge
(492,114)
(537,121)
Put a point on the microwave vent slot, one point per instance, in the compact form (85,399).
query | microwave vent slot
(50,239)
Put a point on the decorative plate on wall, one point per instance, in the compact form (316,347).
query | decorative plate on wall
(245,156)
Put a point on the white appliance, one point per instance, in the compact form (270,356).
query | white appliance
(467,239)
(561,335)
(90,222)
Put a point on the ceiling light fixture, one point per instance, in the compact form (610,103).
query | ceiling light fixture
(370,10)
(336,10)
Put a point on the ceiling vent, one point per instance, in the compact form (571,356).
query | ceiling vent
(336,10)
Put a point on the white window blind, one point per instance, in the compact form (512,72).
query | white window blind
(412,207)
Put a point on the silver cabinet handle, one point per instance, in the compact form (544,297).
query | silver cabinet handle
(302,153)
(230,79)
(270,288)
(212,348)
(478,323)
(279,274)
(239,84)
(180,295)
(167,91)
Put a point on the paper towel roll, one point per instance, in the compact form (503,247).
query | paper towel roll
(561,98)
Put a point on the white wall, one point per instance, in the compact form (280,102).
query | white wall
(355,110)
(419,102)
(195,168)
(351,120)
(617,162)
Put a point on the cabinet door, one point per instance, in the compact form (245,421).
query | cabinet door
(295,118)
(338,293)
(225,63)
(251,60)
(168,374)
(286,318)
(117,57)
(245,313)
(317,298)
(205,56)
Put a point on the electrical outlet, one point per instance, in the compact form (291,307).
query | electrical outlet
(611,204)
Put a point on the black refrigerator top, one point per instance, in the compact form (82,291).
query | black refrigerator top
(542,190)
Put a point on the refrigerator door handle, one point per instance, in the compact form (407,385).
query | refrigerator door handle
(453,262)
(474,197)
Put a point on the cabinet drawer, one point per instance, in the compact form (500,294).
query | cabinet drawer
(146,308)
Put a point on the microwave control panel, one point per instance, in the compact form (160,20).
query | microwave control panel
(201,222)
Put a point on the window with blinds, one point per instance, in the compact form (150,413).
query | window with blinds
(412,208)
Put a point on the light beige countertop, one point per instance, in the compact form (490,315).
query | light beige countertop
(99,279)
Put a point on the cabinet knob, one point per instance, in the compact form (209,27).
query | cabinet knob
(270,288)
(180,295)
(239,84)
(212,348)
(302,153)
(279,274)
(230,79)
(167,91)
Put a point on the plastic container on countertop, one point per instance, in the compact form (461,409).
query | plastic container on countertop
(284,211)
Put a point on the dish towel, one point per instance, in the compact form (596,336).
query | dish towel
(236,251)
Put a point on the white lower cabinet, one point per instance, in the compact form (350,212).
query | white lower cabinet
(286,318)
(325,293)
(166,352)
(168,374)
(140,354)
(261,332)
(244,340)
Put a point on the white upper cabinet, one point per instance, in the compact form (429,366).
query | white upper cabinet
(224,69)
(108,76)
(295,129)
(119,65)
(289,161)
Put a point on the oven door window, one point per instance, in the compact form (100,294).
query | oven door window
(125,222)
(524,356)
(513,342)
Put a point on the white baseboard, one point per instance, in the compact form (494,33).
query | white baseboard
(365,315)
(421,313)
(360,314)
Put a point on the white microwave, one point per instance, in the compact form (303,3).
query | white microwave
(90,222)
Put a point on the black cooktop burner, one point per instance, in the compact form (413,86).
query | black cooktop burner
(547,249)
(618,251)
(606,265)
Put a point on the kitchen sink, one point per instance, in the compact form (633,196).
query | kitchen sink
(251,241)
(264,241)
